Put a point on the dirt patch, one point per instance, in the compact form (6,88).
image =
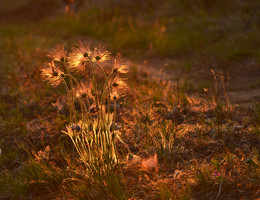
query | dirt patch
(243,77)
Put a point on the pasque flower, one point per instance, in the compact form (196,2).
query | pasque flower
(120,66)
(52,74)
(58,53)
(117,85)
(80,56)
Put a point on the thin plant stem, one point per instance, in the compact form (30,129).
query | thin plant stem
(71,86)
(219,190)
(68,93)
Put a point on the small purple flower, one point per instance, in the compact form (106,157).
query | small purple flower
(216,174)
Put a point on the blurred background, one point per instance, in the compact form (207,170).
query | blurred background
(176,39)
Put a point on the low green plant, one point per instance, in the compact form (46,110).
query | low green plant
(167,137)
(12,187)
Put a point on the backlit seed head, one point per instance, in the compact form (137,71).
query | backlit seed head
(84,90)
(119,83)
(118,86)
(120,66)
(52,74)
(58,53)
(99,54)
(79,56)
(114,95)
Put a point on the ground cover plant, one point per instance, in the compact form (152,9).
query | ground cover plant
(129,100)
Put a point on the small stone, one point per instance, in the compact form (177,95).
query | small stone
(237,127)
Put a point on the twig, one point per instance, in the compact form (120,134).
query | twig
(219,190)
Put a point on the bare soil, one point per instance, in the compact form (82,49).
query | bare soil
(242,78)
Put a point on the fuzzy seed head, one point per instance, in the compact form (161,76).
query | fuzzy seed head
(120,66)
(79,57)
(119,84)
(100,54)
(84,91)
(52,74)
(58,53)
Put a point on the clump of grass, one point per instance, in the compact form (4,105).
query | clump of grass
(256,127)
(220,100)
(93,82)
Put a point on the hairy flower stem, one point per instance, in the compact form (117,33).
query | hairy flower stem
(82,102)
(71,86)
(106,81)
(68,93)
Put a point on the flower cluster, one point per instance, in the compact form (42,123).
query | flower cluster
(84,54)
(91,86)
(216,174)
(82,59)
